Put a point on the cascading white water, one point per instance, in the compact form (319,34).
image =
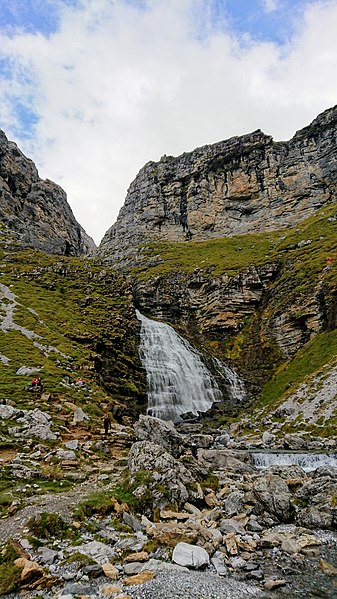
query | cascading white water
(178,381)
(307,461)
(236,389)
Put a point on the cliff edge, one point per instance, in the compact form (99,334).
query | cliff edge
(37,210)
(246,184)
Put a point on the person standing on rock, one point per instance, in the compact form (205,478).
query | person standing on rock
(194,450)
(106,423)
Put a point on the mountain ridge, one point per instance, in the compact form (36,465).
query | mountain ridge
(242,185)
(37,210)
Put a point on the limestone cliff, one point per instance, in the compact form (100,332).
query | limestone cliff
(37,210)
(245,184)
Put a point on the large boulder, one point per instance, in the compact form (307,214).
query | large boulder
(167,479)
(273,493)
(190,556)
(224,459)
(160,432)
(318,498)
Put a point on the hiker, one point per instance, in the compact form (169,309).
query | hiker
(194,450)
(36,384)
(106,423)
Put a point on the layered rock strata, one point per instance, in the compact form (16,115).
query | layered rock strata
(37,210)
(242,185)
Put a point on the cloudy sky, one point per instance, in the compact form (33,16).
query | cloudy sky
(94,89)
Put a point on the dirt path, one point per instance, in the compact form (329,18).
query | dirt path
(56,503)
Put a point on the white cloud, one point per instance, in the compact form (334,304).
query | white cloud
(270,5)
(118,86)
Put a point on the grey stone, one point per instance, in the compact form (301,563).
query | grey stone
(80,416)
(218,561)
(100,552)
(233,504)
(230,525)
(132,521)
(74,444)
(26,370)
(47,556)
(273,493)
(93,571)
(132,568)
(62,454)
(191,556)
(156,565)
(160,432)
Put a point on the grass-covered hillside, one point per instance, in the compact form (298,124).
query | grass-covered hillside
(290,334)
(67,319)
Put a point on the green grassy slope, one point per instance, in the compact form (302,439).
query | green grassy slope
(83,317)
(306,258)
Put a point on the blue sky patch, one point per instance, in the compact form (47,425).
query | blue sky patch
(263,20)
(31,16)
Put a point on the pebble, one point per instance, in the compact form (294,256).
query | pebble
(193,585)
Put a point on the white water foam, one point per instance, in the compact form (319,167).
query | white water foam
(307,461)
(178,381)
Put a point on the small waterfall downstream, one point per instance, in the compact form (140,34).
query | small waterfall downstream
(178,381)
(307,461)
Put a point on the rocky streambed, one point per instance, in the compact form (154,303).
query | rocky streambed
(206,527)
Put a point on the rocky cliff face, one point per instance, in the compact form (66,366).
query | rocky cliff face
(37,210)
(245,184)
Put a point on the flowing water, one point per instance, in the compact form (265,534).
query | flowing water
(307,461)
(178,381)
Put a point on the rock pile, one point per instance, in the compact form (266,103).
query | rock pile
(230,522)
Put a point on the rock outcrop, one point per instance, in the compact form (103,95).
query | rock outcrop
(242,185)
(37,210)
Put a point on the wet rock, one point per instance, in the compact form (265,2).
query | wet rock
(190,556)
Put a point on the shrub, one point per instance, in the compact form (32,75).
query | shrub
(47,525)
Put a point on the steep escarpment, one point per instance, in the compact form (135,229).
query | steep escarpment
(265,303)
(37,210)
(242,185)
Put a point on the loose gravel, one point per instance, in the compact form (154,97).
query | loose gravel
(193,585)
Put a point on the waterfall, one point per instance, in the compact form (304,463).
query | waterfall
(178,381)
(235,386)
(307,461)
